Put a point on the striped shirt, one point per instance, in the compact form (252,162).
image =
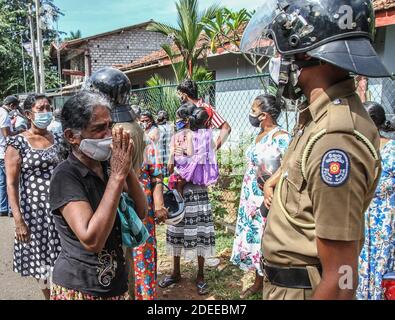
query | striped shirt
(216,121)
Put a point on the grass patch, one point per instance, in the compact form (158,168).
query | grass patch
(226,281)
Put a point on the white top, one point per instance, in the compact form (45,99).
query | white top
(55,127)
(5,122)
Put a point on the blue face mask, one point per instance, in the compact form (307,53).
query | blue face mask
(42,119)
(180,125)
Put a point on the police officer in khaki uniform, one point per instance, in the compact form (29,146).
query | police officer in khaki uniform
(315,226)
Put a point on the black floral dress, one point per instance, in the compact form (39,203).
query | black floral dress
(36,258)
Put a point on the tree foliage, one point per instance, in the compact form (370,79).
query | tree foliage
(225,31)
(14,30)
(187,36)
(74,35)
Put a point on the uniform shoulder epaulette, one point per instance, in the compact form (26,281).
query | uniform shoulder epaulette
(339,117)
(339,120)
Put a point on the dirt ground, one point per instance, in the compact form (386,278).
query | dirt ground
(225,281)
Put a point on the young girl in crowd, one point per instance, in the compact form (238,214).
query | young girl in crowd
(195,234)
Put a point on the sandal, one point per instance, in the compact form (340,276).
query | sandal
(202,288)
(168,281)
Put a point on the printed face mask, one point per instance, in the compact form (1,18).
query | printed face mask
(180,125)
(42,119)
(97,149)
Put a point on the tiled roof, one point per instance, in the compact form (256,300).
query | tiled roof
(160,57)
(383,4)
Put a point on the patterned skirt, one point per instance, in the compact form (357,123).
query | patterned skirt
(194,235)
(61,293)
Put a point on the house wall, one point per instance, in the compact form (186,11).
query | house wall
(124,47)
(229,66)
(139,79)
(389,48)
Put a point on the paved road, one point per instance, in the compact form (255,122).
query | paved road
(12,286)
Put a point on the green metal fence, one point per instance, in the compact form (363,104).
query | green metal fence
(232,98)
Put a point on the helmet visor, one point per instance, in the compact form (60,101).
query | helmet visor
(256,38)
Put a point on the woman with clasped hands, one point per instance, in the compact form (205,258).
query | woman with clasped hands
(84,195)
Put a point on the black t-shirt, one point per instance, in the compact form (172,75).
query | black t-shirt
(102,274)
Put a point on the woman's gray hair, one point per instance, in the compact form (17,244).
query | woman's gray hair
(77,111)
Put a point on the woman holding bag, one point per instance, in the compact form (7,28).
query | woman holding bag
(84,197)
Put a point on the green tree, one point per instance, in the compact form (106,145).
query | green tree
(225,31)
(187,36)
(14,29)
(74,35)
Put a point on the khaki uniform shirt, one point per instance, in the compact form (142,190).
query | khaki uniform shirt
(137,135)
(341,175)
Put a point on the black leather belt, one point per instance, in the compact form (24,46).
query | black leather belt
(289,277)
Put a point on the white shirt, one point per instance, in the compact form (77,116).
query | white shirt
(55,127)
(5,122)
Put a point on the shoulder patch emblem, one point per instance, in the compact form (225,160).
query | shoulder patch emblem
(335,168)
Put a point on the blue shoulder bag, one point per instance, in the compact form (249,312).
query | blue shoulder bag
(134,232)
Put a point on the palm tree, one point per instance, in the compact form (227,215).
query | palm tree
(74,35)
(188,32)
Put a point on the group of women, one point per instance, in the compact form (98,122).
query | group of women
(65,208)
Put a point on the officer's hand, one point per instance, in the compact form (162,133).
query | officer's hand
(268,191)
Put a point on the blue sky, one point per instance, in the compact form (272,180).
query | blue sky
(97,16)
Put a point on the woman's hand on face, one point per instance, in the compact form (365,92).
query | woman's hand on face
(22,232)
(122,149)
(161,215)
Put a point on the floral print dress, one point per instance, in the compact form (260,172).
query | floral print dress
(145,256)
(250,223)
(378,253)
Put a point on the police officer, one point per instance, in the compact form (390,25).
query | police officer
(116,86)
(315,226)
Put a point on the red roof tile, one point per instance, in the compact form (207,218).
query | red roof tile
(383,4)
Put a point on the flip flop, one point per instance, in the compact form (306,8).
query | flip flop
(168,281)
(202,288)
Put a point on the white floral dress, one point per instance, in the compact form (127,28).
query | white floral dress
(378,253)
(250,223)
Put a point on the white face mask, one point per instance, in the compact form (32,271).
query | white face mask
(97,149)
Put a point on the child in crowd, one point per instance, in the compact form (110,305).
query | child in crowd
(193,152)
(192,155)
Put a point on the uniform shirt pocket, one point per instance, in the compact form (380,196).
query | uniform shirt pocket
(293,186)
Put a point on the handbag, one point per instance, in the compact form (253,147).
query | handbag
(134,232)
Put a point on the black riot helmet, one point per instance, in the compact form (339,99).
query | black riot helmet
(339,32)
(336,31)
(116,86)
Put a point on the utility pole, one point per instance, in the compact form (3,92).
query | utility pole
(40,48)
(23,63)
(33,43)
(58,55)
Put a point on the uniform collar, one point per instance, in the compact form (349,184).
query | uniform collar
(341,89)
